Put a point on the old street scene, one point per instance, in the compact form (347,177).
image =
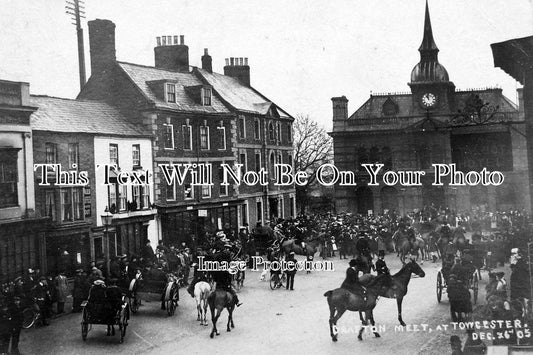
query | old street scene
(358,179)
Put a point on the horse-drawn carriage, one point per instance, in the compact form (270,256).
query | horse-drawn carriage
(466,273)
(105,310)
(154,284)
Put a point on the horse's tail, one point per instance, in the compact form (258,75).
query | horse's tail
(328,293)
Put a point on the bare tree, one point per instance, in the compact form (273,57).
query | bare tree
(313,147)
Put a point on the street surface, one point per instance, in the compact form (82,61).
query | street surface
(278,321)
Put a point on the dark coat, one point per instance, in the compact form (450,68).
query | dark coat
(351,282)
(520,286)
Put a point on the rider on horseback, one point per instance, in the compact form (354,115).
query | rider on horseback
(224,278)
(351,282)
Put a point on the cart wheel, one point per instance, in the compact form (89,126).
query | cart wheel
(28,318)
(475,287)
(439,286)
(273,281)
(134,303)
(84,325)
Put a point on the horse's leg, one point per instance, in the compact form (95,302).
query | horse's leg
(215,313)
(205,311)
(230,311)
(371,314)
(199,311)
(361,316)
(399,301)
(333,321)
(364,323)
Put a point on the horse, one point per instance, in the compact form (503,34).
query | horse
(397,288)
(217,301)
(290,245)
(201,291)
(406,248)
(341,300)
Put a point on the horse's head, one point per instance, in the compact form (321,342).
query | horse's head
(414,268)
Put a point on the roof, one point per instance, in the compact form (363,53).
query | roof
(79,116)
(512,56)
(370,115)
(238,95)
(142,75)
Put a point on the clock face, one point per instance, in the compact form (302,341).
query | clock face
(429,100)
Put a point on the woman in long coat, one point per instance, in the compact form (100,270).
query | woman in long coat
(61,285)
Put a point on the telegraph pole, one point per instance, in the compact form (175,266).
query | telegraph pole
(76,8)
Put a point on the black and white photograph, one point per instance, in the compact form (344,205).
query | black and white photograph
(266,177)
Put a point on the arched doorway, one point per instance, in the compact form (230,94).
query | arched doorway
(365,200)
(389,198)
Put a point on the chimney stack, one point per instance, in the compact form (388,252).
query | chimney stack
(340,108)
(238,68)
(207,62)
(170,55)
(102,45)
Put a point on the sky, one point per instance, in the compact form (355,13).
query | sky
(301,52)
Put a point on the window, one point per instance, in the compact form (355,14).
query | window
(73,155)
(278,131)
(122,197)
(188,188)
(136,154)
(113,202)
(171,93)
(257,162)
(206,191)
(291,206)
(222,131)
(187,137)
(207,96)
(51,153)
(242,127)
(113,154)
(257,129)
(50,205)
(289,133)
(204,137)
(66,205)
(77,202)
(145,196)
(168,136)
(8,177)
(271,131)
(98,248)
(244,213)
(289,159)
(242,160)
(259,210)
(223,189)
(272,162)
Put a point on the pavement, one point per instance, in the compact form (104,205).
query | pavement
(269,321)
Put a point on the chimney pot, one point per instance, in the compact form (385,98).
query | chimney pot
(227,61)
(207,61)
(175,39)
(169,40)
(164,40)
(245,61)
(158,39)
(205,51)
(182,40)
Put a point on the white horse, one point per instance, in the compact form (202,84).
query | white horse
(201,291)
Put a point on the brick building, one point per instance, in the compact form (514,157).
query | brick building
(193,117)
(21,230)
(82,136)
(432,123)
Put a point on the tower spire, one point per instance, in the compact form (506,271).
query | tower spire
(428,49)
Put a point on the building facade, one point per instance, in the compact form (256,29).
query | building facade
(193,117)
(433,123)
(22,236)
(81,138)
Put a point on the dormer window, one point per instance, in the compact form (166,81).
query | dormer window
(171,92)
(206,96)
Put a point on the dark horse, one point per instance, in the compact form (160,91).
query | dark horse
(218,300)
(341,300)
(397,288)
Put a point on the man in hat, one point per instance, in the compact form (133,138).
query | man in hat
(113,295)
(520,284)
(42,298)
(77,291)
(16,309)
(223,278)
(291,264)
(351,282)
(5,325)
(61,287)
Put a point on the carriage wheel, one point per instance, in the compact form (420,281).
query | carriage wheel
(84,326)
(28,318)
(274,281)
(134,303)
(439,286)
(475,286)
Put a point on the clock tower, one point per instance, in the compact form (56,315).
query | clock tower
(430,85)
